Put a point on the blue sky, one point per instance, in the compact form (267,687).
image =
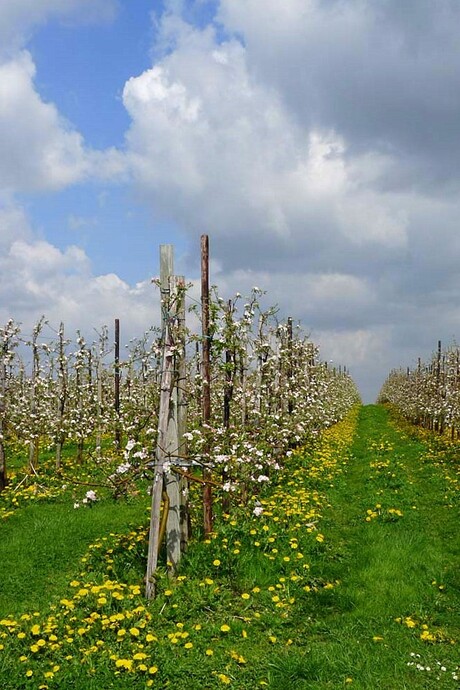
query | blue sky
(83,69)
(315,142)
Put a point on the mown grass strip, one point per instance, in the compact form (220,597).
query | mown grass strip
(41,546)
(240,604)
(344,573)
(393,622)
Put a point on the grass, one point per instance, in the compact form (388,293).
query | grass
(391,567)
(349,578)
(41,548)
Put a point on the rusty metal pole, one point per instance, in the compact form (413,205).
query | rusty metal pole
(206,374)
(290,366)
(117,384)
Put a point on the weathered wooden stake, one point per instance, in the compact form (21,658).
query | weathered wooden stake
(167,380)
(174,436)
(62,398)
(168,291)
(33,445)
(181,379)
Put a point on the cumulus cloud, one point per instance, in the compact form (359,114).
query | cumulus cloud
(384,75)
(38,278)
(14,224)
(316,142)
(19,17)
(220,151)
(39,150)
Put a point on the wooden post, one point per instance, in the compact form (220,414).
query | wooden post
(229,368)
(228,394)
(206,374)
(167,379)
(99,406)
(3,471)
(290,366)
(166,271)
(33,445)
(181,378)
(174,440)
(117,385)
(103,337)
(62,396)
(169,292)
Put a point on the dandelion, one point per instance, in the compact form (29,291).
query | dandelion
(127,664)
(225,628)
(224,679)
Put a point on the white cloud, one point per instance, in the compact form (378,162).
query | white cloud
(40,279)
(38,150)
(14,224)
(19,17)
(220,152)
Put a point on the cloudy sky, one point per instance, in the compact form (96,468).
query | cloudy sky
(317,142)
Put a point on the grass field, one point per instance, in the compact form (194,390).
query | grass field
(348,578)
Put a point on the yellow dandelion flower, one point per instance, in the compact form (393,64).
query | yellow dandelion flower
(127,664)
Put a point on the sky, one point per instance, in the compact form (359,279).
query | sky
(316,142)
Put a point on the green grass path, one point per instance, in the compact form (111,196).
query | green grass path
(390,566)
(386,619)
(41,546)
